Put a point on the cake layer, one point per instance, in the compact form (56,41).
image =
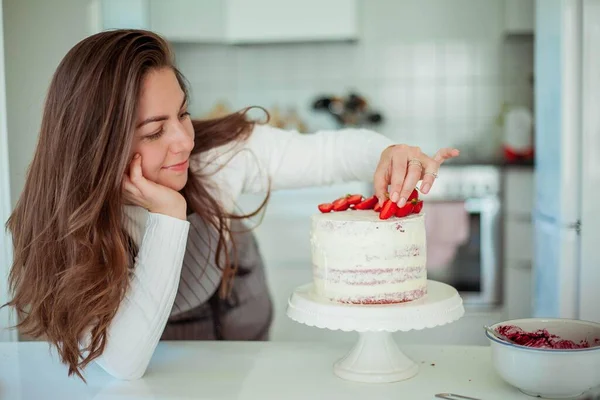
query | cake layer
(359,258)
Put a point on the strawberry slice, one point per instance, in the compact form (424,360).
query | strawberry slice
(354,198)
(367,204)
(405,210)
(413,196)
(341,204)
(418,207)
(325,207)
(378,207)
(388,210)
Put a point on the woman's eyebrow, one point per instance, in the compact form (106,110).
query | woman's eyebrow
(159,117)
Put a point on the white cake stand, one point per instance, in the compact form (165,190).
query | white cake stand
(376,358)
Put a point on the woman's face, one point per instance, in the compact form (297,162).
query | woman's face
(164,135)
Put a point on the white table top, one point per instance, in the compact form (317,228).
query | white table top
(250,370)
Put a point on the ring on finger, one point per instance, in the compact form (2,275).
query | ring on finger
(434,174)
(414,161)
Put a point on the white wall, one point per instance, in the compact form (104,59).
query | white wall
(37,35)
(6,318)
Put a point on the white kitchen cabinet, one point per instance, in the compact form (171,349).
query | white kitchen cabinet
(189,20)
(519,16)
(518,192)
(232,21)
(258,21)
(119,14)
(518,289)
(176,20)
(518,239)
(518,242)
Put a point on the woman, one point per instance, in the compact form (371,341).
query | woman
(127,224)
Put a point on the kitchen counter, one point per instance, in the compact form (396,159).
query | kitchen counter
(250,370)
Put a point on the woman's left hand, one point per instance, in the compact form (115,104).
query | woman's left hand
(402,166)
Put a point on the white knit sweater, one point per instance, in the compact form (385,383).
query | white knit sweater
(290,159)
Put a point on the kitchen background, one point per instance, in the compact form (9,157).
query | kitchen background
(432,73)
(440,74)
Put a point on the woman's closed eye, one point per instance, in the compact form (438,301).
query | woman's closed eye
(157,135)
(154,136)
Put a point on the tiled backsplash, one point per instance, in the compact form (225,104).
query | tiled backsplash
(438,70)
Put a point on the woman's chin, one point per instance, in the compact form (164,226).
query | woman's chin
(176,183)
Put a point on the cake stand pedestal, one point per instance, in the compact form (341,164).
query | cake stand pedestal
(376,358)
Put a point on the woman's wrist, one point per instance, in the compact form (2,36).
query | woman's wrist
(177,209)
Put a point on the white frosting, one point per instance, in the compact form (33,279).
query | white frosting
(360,258)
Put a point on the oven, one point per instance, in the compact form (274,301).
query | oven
(464,232)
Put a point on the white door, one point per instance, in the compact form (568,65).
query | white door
(6,318)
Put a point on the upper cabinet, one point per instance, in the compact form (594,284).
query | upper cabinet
(256,21)
(189,20)
(519,16)
(115,14)
(233,21)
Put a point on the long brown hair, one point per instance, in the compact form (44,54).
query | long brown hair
(72,257)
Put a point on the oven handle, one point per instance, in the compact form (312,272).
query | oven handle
(489,210)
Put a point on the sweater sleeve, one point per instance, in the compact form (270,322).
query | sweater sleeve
(294,160)
(290,160)
(141,318)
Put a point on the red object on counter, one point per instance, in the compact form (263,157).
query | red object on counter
(514,156)
(518,135)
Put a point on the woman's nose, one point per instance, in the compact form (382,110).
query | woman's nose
(183,141)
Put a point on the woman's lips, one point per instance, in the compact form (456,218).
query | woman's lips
(182,166)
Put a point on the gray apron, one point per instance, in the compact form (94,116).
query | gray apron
(245,315)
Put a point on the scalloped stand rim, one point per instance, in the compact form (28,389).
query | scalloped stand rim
(376,358)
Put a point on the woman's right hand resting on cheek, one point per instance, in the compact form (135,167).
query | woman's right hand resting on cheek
(156,198)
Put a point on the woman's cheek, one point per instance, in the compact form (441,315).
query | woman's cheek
(149,167)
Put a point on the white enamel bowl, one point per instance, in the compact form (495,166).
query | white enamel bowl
(549,373)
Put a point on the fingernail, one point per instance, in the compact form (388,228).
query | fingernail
(395,197)
(137,155)
(402,202)
(425,188)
